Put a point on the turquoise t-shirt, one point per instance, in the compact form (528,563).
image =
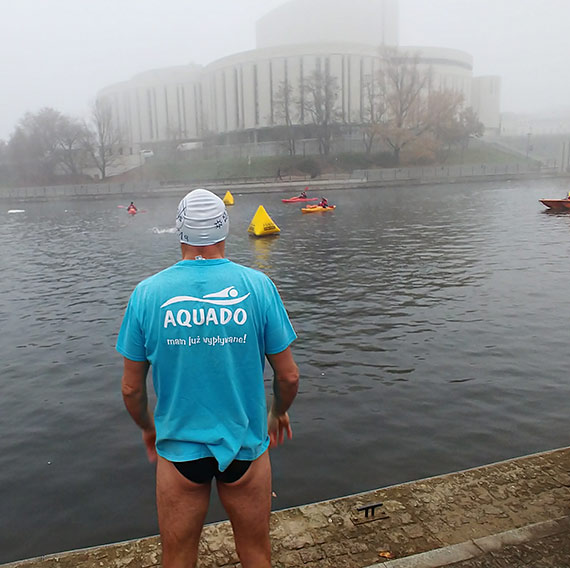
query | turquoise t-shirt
(205,326)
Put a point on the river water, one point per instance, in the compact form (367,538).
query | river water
(433,326)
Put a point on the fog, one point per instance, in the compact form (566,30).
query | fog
(60,53)
(526,42)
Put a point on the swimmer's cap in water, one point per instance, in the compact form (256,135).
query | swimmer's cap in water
(202,219)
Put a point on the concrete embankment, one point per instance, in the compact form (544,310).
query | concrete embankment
(386,177)
(498,515)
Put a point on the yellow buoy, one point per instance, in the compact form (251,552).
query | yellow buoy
(228,198)
(262,224)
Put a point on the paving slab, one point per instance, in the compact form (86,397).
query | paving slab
(513,513)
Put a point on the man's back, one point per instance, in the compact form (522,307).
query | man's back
(205,327)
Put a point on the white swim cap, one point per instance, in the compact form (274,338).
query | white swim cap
(202,219)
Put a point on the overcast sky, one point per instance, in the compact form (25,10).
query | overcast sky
(59,53)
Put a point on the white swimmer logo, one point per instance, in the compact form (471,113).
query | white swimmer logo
(207,316)
(226,297)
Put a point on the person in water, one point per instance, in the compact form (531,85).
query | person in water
(323,203)
(132,207)
(205,325)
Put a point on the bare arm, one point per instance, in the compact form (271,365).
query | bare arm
(285,385)
(133,387)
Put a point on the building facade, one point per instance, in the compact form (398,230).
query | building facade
(248,96)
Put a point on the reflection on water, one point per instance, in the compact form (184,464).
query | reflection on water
(432,326)
(262,247)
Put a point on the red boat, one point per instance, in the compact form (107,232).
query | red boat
(299,199)
(560,204)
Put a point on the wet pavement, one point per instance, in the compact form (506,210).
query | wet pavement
(510,514)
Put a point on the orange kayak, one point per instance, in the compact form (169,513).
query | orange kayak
(317,209)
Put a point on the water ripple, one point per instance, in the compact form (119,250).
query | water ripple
(432,326)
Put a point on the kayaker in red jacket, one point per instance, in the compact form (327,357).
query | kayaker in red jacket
(323,203)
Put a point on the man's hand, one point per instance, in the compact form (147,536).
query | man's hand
(149,439)
(285,385)
(278,426)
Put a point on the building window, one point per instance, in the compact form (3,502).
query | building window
(196,111)
(139,116)
(156,130)
(343,85)
(149,111)
(349,88)
(117,112)
(271,91)
(286,92)
(127,112)
(242,100)
(255,95)
(225,101)
(201,117)
(168,129)
(184,111)
(236,96)
(214,95)
(361,89)
(301,92)
(179,110)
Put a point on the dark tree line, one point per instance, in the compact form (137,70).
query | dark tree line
(400,109)
(48,146)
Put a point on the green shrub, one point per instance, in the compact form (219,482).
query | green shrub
(310,166)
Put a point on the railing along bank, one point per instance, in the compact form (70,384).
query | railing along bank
(448,172)
(137,188)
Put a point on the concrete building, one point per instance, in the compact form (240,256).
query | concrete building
(242,98)
(368,22)
(486,101)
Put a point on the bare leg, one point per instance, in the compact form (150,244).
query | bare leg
(248,505)
(182,506)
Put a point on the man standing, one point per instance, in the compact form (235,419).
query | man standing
(206,325)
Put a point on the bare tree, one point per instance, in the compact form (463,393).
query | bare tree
(284,105)
(451,123)
(403,83)
(320,101)
(70,134)
(470,127)
(5,173)
(442,110)
(103,137)
(33,148)
(373,111)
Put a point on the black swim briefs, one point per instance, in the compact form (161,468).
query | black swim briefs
(203,470)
